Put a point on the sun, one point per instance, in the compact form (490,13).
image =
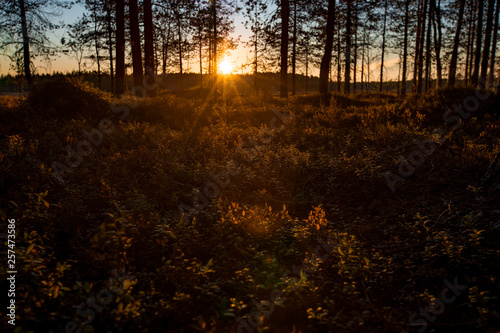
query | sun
(226,67)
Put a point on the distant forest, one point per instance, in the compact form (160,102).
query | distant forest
(436,42)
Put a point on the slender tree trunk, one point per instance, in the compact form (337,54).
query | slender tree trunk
(399,76)
(479,35)
(347,81)
(214,58)
(472,31)
(307,71)
(437,43)
(200,39)
(210,62)
(149,57)
(383,48)
(363,45)
(294,46)
(166,45)
(368,71)
(421,48)
(110,46)
(494,45)
(405,49)
(120,47)
(179,37)
(256,47)
(135,41)
(467,57)
(417,45)
(285,14)
(327,56)
(339,66)
(428,64)
(487,43)
(96,42)
(26,44)
(355,59)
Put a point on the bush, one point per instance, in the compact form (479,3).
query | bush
(68,98)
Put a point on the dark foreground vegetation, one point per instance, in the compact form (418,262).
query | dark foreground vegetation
(301,233)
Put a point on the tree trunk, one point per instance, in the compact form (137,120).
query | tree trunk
(179,37)
(96,41)
(347,80)
(472,31)
(135,40)
(363,45)
(428,64)
(383,48)
(110,46)
(214,56)
(120,47)
(294,46)
(479,35)
(255,71)
(355,58)
(285,14)
(149,57)
(494,44)
(417,45)
(166,44)
(327,56)
(405,49)
(438,37)
(307,71)
(201,59)
(421,48)
(26,44)
(339,66)
(487,43)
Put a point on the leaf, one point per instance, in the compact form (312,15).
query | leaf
(28,250)
(126,284)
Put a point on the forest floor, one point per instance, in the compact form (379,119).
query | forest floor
(181,213)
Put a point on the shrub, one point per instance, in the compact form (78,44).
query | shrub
(68,98)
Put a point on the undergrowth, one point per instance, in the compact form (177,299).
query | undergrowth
(199,215)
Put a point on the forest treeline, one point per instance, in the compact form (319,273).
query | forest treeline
(434,42)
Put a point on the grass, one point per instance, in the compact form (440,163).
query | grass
(290,229)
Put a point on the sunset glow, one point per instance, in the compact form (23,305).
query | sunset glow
(226,67)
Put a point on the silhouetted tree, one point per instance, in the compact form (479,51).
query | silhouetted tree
(24,25)
(285,14)
(327,56)
(135,41)
(487,43)
(120,47)
(148,39)
(494,44)
(479,35)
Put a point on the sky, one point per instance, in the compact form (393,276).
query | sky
(65,63)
